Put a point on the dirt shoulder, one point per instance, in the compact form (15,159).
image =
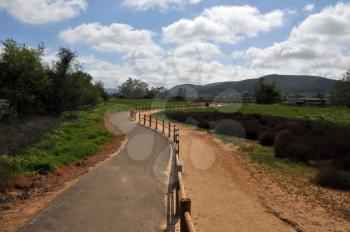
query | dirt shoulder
(229,193)
(29,195)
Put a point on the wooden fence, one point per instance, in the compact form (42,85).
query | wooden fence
(169,130)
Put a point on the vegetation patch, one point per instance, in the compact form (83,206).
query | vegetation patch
(336,115)
(75,135)
(17,135)
(332,178)
(296,139)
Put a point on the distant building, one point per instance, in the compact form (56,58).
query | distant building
(305,101)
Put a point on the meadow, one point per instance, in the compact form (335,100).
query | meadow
(340,116)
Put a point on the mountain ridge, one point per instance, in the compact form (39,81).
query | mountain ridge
(288,84)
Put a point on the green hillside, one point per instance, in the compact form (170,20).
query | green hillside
(289,84)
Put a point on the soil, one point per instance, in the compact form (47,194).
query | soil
(29,195)
(230,193)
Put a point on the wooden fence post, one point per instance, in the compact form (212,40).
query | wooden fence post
(150,121)
(144,119)
(139,117)
(185,206)
(169,124)
(174,130)
(177,197)
(163,126)
(156,124)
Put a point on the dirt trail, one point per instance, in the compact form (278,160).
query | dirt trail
(227,196)
(219,202)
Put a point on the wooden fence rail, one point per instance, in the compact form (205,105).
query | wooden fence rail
(169,130)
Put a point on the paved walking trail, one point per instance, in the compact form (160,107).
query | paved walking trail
(126,193)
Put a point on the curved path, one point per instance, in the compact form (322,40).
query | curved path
(126,193)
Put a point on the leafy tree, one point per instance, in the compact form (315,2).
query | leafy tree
(23,81)
(100,86)
(266,93)
(71,88)
(340,94)
(158,92)
(62,91)
(133,88)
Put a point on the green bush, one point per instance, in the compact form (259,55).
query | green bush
(9,168)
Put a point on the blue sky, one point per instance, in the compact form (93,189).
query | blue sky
(167,42)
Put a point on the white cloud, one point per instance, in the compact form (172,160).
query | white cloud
(43,11)
(110,74)
(291,11)
(319,45)
(309,7)
(162,4)
(115,38)
(197,50)
(228,24)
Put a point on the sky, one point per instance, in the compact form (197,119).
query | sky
(169,42)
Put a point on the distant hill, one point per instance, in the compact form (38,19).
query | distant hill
(289,84)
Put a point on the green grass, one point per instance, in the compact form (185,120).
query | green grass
(74,140)
(340,116)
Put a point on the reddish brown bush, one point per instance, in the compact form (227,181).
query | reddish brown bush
(332,178)
(266,139)
(295,138)
(342,163)
(230,127)
(282,141)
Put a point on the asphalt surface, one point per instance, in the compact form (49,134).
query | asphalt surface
(126,193)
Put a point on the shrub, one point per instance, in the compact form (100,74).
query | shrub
(299,150)
(332,178)
(230,127)
(8,167)
(282,141)
(266,139)
(252,131)
(302,140)
(42,168)
(342,163)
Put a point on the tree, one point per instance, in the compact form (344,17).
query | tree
(340,94)
(158,92)
(71,88)
(133,88)
(266,93)
(23,81)
(100,86)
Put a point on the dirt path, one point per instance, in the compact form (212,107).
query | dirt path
(220,203)
(229,193)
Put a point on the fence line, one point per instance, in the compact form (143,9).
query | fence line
(169,130)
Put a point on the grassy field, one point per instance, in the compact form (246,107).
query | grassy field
(340,116)
(73,140)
